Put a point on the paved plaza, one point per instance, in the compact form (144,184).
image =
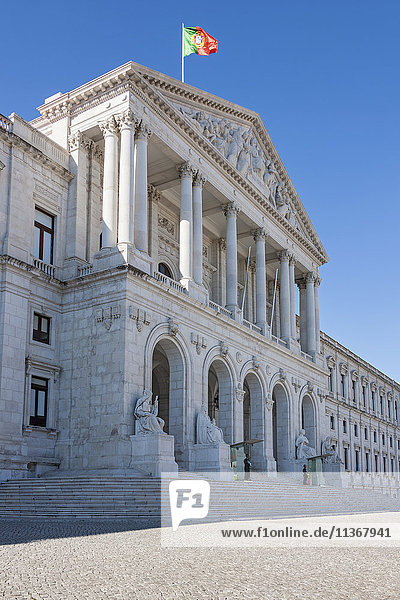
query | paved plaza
(93,560)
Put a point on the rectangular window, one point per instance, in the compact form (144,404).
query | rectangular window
(354,388)
(383,439)
(343,385)
(373,401)
(332,422)
(356,429)
(392,465)
(331,380)
(391,442)
(364,396)
(375,437)
(357,460)
(344,426)
(376,463)
(389,409)
(43,236)
(39,395)
(365,433)
(367,462)
(384,464)
(381,405)
(41,328)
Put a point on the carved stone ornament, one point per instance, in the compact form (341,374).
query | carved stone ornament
(198,341)
(186,170)
(331,362)
(109,127)
(224,349)
(282,375)
(321,394)
(141,317)
(284,255)
(173,327)
(343,368)
(79,140)
(354,376)
(268,370)
(2,165)
(296,384)
(153,193)
(127,120)
(269,401)
(231,209)
(239,393)
(310,387)
(260,234)
(222,243)
(164,223)
(256,363)
(199,179)
(106,316)
(239,357)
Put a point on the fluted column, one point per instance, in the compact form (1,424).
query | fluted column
(126,178)
(293,331)
(311,338)
(317,323)
(261,279)
(110,183)
(285,295)
(186,222)
(303,314)
(141,204)
(198,183)
(231,211)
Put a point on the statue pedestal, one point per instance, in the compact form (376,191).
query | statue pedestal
(212,458)
(153,453)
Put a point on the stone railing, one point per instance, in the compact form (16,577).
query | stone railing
(307,356)
(49,270)
(219,309)
(85,270)
(5,123)
(170,282)
(252,326)
(278,340)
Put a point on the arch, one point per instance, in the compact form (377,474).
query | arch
(166,260)
(281,427)
(308,420)
(253,418)
(220,397)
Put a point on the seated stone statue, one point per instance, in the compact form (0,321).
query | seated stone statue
(303,449)
(146,412)
(207,431)
(329,452)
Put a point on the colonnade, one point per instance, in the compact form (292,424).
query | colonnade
(125,220)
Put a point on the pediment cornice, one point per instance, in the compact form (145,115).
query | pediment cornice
(157,91)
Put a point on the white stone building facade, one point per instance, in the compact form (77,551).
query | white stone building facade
(152,239)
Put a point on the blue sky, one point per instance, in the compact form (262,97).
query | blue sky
(324,77)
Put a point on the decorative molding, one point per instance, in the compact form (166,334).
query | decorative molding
(256,363)
(239,357)
(198,179)
(310,387)
(78,140)
(107,315)
(127,120)
(198,341)
(109,127)
(143,132)
(140,316)
(239,394)
(269,401)
(223,349)
(231,209)
(282,375)
(343,369)
(186,170)
(260,234)
(354,376)
(164,223)
(331,362)
(284,255)
(153,193)
(296,384)
(173,327)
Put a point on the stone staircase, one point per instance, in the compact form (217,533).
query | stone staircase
(111,497)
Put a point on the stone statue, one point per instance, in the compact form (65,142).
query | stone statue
(329,452)
(270,179)
(146,411)
(303,449)
(207,431)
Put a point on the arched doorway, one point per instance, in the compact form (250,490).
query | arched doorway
(220,398)
(168,383)
(253,419)
(280,427)
(308,421)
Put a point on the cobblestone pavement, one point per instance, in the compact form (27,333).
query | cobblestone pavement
(94,560)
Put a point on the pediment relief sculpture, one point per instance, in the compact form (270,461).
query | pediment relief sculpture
(242,150)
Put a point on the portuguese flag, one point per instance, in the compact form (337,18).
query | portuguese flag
(196,40)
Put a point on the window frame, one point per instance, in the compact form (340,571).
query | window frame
(40,318)
(41,421)
(43,228)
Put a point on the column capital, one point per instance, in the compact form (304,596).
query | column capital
(143,131)
(186,170)
(153,192)
(79,140)
(310,277)
(260,234)
(292,260)
(317,280)
(127,120)
(109,127)
(301,283)
(199,179)
(284,255)
(231,209)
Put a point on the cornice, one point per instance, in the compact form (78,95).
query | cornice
(14,140)
(146,84)
(5,259)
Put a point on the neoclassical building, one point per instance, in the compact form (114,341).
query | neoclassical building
(151,238)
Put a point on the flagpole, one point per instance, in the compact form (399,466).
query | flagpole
(183,63)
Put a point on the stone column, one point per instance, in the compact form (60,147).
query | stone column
(186,223)
(238,398)
(141,205)
(126,178)
(198,183)
(317,323)
(261,279)
(311,338)
(231,212)
(285,295)
(77,207)
(303,314)
(292,284)
(110,183)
